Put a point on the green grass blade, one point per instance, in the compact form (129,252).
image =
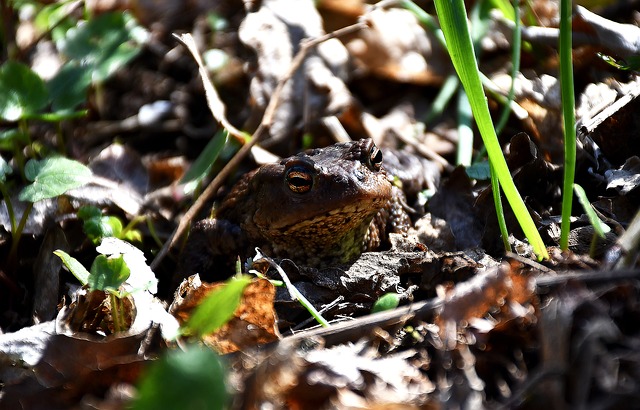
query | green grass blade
(453,20)
(600,228)
(497,200)
(448,89)
(515,66)
(569,117)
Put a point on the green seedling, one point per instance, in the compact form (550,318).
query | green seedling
(98,226)
(119,270)
(95,50)
(631,63)
(49,178)
(294,293)
(600,228)
(107,275)
(569,119)
(388,301)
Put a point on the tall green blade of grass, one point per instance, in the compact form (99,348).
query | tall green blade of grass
(504,116)
(568,114)
(453,21)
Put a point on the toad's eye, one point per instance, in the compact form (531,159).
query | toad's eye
(375,158)
(299,180)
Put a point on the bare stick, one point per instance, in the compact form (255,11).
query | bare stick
(216,106)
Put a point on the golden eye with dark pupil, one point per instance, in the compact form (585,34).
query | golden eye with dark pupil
(375,157)
(299,180)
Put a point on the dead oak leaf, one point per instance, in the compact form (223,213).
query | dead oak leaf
(253,322)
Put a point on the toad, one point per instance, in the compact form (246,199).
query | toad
(318,208)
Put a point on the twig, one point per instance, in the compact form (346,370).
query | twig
(599,276)
(530,262)
(387,320)
(615,37)
(520,395)
(214,102)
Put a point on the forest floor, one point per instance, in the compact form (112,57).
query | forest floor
(108,130)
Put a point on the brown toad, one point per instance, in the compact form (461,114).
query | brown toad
(321,207)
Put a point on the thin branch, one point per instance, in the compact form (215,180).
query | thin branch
(217,107)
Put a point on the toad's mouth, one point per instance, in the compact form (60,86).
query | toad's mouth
(333,222)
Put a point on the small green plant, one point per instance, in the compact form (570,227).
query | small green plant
(600,228)
(98,226)
(106,274)
(630,63)
(569,119)
(388,301)
(111,272)
(94,50)
(49,178)
(294,293)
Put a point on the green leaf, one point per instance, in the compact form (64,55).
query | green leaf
(630,63)
(191,379)
(568,99)
(52,16)
(388,301)
(600,227)
(201,166)
(68,88)
(5,170)
(105,43)
(88,212)
(93,39)
(115,225)
(108,273)
(505,7)
(74,266)
(22,91)
(53,177)
(218,307)
(97,226)
(133,236)
(114,62)
(142,277)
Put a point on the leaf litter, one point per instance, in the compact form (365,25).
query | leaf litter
(477,328)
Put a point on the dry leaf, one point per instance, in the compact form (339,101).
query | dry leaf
(253,323)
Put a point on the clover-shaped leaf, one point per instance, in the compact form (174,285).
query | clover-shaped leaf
(52,177)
